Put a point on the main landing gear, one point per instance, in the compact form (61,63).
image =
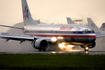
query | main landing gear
(41,49)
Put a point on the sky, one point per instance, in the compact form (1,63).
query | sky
(53,11)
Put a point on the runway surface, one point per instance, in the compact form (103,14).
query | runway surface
(58,52)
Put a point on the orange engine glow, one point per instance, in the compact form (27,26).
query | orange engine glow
(65,47)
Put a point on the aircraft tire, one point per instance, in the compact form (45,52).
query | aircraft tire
(44,49)
(40,50)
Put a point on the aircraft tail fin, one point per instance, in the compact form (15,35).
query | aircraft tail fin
(69,21)
(28,20)
(92,25)
(103,27)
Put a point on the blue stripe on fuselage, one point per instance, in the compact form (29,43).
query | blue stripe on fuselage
(68,32)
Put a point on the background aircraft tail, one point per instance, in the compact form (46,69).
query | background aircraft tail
(28,20)
(92,25)
(69,21)
(103,27)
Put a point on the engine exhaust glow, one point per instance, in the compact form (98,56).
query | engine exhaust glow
(65,47)
(61,46)
(53,52)
(71,46)
(60,37)
(87,52)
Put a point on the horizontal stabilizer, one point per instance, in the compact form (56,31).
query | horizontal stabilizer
(12,27)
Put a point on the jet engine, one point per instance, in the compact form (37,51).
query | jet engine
(40,44)
(93,45)
(90,46)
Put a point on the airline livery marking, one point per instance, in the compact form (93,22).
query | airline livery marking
(66,28)
(25,13)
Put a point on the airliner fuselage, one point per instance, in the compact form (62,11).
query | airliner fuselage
(74,34)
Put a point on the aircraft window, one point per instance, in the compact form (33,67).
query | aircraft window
(74,32)
(89,32)
(79,32)
(93,31)
(86,31)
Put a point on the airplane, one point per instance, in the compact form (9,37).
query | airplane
(69,20)
(97,30)
(41,35)
(91,24)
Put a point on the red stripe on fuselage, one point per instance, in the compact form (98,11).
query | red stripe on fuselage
(85,36)
(24,15)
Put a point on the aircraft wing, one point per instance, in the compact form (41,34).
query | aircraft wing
(22,38)
(16,37)
(100,35)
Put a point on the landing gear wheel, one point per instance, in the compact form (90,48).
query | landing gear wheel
(86,48)
(44,49)
(39,49)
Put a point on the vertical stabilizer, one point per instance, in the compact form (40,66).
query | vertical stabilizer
(69,21)
(92,25)
(103,27)
(28,20)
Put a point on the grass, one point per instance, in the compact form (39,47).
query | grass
(52,61)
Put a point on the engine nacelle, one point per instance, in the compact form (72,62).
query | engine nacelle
(93,45)
(90,46)
(40,44)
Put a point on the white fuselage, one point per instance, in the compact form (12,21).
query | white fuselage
(53,30)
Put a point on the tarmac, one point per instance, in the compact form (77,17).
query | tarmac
(58,52)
